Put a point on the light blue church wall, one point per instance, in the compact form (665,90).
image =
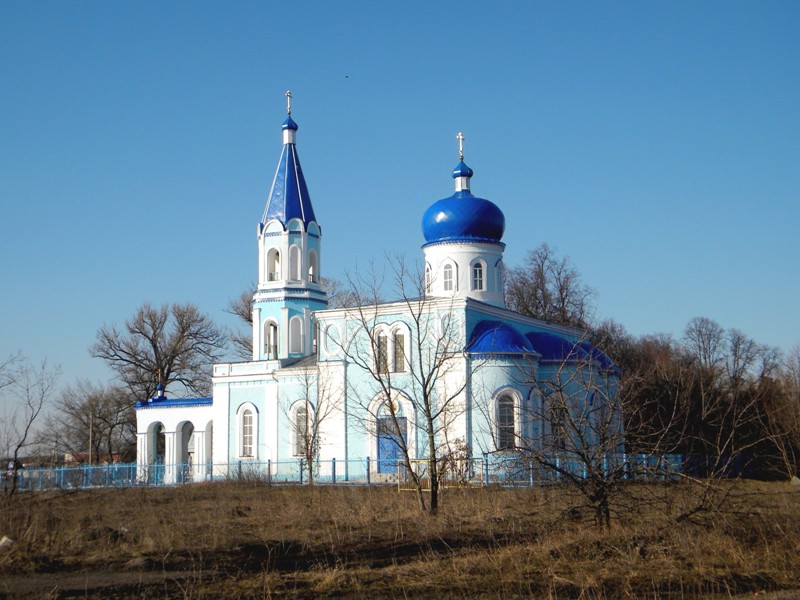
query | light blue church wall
(244,395)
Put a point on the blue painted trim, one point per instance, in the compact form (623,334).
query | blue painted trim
(466,241)
(292,296)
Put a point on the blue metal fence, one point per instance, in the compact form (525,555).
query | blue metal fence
(498,469)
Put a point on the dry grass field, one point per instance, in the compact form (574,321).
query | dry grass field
(254,541)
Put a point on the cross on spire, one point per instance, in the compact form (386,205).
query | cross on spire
(460,138)
(289,102)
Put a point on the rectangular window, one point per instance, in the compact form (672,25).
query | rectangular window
(383,354)
(399,353)
(247,433)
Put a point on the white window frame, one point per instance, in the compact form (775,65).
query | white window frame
(501,429)
(428,278)
(313,268)
(385,349)
(242,412)
(448,277)
(401,365)
(295,263)
(271,346)
(273,264)
(298,445)
(295,335)
(478,267)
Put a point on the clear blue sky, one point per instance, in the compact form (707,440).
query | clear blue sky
(657,144)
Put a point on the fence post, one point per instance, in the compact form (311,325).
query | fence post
(301,471)
(485,469)
(368,470)
(333,470)
(269,471)
(530,475)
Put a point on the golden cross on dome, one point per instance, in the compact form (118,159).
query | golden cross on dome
(288,102)
(460,138)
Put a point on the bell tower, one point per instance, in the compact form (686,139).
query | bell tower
(289,257)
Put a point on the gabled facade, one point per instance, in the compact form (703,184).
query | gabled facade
(330,369)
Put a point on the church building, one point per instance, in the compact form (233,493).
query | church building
(355,389)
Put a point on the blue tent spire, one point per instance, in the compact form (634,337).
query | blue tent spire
(288,197)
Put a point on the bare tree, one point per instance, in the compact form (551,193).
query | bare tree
(548,287)
(308,411)
(242,308)
(570,430)
(339,296)
(421,369)
(166,345)
(793,373)
(29,388)
(93,418)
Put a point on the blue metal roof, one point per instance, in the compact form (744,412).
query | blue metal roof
(600,357)
(288,197)
(463,218)
(555,347)
(496,337)
(462,170)
(164,402)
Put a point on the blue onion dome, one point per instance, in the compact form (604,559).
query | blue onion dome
(463,217)
(289,124)
(462,170)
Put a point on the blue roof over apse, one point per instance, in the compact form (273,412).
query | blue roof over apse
(600,357)
(555,347)
(288,197)
(496,337)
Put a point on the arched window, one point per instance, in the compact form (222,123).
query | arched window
(389,348)
(313,269)
(273,265)
(427,279)
(301,429)
(314,336)
(382,353)
(501,276)
(246,446)
(296,335)
(506,422)
(399,358)
(295,263)
(447,278)
(271,340)
(477,276)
